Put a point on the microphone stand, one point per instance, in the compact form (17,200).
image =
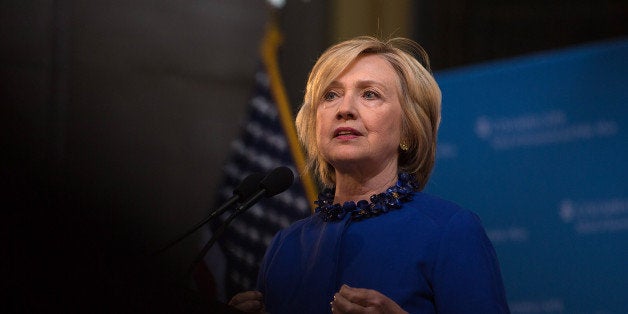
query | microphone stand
(249,202)
(219,211)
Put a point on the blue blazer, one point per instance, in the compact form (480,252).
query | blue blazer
(430,256)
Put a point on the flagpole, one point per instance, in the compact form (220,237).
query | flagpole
(272,40)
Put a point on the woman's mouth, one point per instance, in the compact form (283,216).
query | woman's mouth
(346,133)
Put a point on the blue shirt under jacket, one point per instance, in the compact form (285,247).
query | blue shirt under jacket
(430,256)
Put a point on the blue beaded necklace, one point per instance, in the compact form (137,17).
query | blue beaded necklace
(381,203)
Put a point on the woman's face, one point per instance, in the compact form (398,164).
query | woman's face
(358,121)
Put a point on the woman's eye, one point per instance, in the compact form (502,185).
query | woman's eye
(369,94)
(329,96)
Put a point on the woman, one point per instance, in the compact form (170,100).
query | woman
(376,243)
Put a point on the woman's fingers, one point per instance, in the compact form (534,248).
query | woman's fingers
(245,296)
(341,304)
(359,300)
(363,297)
(249,301)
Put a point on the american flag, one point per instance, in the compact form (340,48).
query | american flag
(268,140)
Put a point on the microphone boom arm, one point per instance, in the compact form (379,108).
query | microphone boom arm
(218,211)
(249,202)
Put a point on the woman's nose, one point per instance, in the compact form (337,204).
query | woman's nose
(346,109)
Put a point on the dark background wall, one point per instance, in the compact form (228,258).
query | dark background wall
(460,32)
(117,115)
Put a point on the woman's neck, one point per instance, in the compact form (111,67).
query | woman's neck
(358,186)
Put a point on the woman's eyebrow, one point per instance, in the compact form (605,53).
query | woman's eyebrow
(360,83)
(334,84)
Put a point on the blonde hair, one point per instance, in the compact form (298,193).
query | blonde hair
(420,101)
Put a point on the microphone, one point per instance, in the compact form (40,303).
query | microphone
(244,190)
(277,181)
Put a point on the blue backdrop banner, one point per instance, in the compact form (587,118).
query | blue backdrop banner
(538,147)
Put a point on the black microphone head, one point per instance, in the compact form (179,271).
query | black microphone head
(277,181)
(249,185)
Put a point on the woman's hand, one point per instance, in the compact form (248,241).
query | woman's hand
(356,300)
(249,301)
